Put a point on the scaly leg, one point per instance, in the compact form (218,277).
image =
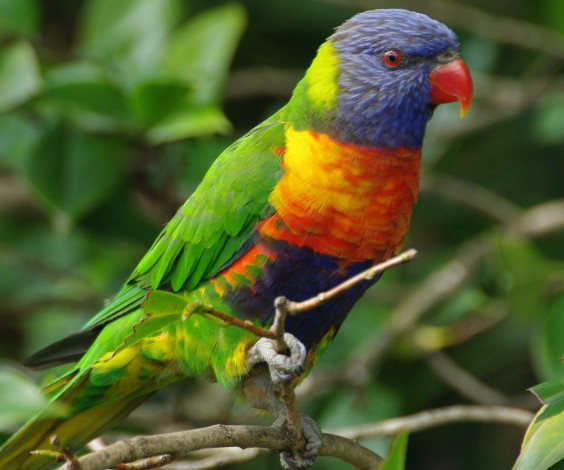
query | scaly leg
(262,390)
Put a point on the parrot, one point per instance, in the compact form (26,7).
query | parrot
(315,194)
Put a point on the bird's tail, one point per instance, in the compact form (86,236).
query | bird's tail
(72,431)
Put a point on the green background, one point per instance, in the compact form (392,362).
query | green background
(110,114)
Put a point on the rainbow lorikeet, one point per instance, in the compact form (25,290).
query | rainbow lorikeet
(318,192)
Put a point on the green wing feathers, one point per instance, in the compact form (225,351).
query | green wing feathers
(125,354)
(217,222)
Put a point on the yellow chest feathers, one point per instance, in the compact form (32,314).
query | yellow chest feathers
(345,200)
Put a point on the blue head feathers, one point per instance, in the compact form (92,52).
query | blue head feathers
(385,57)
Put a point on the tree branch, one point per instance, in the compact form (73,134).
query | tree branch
(338,443)
(180,444)
(174,445)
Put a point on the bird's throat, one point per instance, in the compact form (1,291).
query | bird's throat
(343,200)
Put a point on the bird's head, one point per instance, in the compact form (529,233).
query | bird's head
(378,78)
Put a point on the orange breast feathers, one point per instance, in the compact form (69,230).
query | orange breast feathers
(343,200)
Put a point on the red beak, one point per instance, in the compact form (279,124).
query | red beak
(451,82)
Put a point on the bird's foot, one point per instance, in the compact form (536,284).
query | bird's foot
(282,368)
(263,394)
(303,458)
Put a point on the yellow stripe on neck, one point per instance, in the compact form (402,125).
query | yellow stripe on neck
(321,77)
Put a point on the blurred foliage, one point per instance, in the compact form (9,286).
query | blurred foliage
(111,113)
(396,457)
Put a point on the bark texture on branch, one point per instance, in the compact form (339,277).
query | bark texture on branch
(180,444)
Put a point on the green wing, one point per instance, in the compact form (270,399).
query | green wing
(214,226)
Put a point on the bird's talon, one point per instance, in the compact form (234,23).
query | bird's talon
(282,368)
(304,458)
(290,462)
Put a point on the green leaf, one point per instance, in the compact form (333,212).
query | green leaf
(201,50)
(20,398)
(548,347)
(524,272)
(190,122)
(547,123)
(396,458)
(84,92)
(20,78)
(551,393)
(17,138)
(543,445)
(481,55)
(19,17)
(553,14)
(128,33)
(71,171)
(153,99)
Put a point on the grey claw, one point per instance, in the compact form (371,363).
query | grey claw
(282,368)
(289,462)
(304,458)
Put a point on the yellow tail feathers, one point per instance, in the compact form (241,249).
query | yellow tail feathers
(73,432)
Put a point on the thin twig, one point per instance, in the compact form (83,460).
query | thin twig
(144,464)
(281,311)
(462,381)
(439,417)
(200,307)
(295,308)
(420,300)
(472,195)
(433,338)
(534,222)
(60,454)
(285,307)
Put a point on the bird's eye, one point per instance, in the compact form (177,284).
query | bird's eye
(391,58)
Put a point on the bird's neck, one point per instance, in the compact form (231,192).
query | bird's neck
(343,200)
(333,99)
(315,99)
